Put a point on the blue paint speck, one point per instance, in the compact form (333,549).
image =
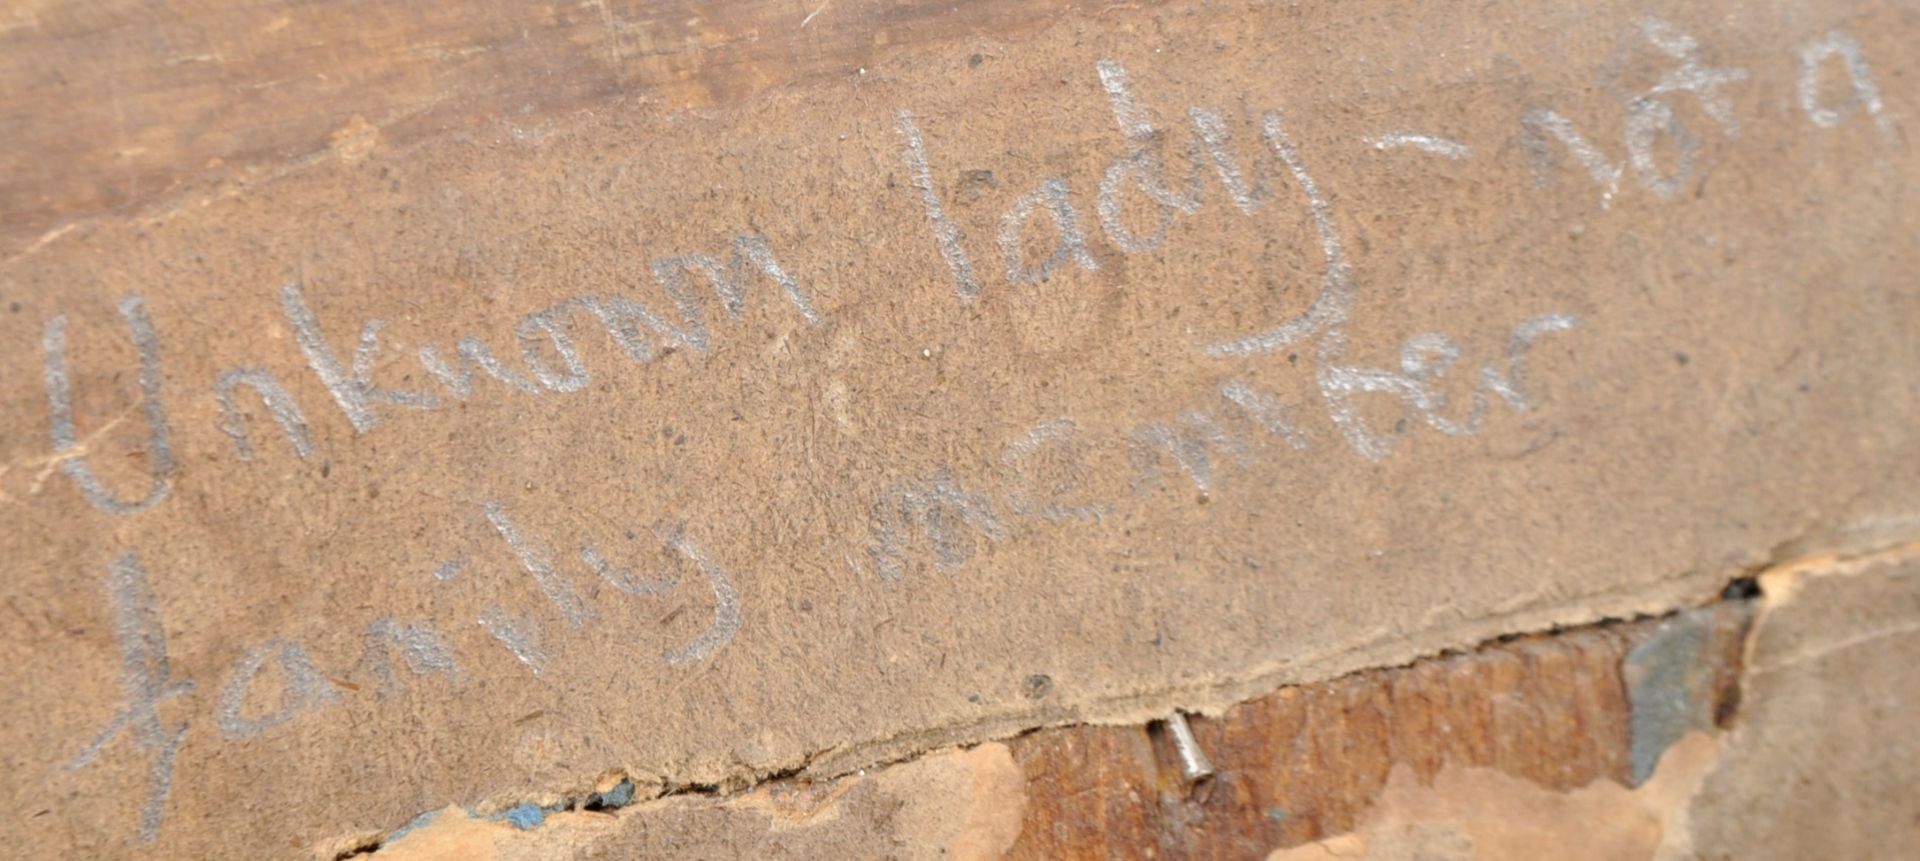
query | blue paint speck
(620,795)
(525,816)
(418,822)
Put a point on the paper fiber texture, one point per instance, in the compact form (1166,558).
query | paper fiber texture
(1145,357)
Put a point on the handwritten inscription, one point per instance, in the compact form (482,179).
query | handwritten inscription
(936,520)
(146,676)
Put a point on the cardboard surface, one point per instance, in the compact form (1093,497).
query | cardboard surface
(1812,764)
(1785,708)
(1821,764)
(879,413)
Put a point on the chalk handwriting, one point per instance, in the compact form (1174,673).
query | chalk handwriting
(521,635)
(726,607)
(933,521)
(146,677)
(1144,165)
(1649,119)
(473,354)
(953,520)
(1266,409)
(624,578)
(1044,493)
(353,390)
(67,447)
(538,563)
(938,510)
(1194,441)
(1429,144)
(546,347)
(1864,89)
(302,689)
(1540,123)
(1694,75)
(518,635)
(420,648)
(1052,196)
(945,232)
(279,403)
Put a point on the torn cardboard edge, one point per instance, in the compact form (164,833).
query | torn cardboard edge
(1660,723)
(1769,587)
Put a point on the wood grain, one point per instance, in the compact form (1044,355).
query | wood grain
(1549,719)
(1304,763)
(118,106)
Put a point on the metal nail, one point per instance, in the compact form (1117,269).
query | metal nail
(1194,765)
